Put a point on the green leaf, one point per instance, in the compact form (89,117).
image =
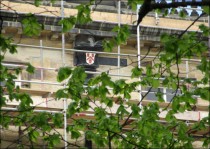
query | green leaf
(182,14)
(192,100)
(89,134)
(52,1)
(75,134)
(63,73)
(127,95)
(106,80)
(2,101)
(61,93)
(155,83)
(41,121)
(108,45)
(99,141)
(165,81)
(122,34)
(5,121)
(84,103)
(79,75)
(72,108)
(31,27)
(206,9)
(100,113)
(136,72)
(58,120)
(18,71)
(121,83)
(159,96)
(175,104)
(206,142)
(67,23)
(134,3)
(182,129)
(166,12)
(30,68)
(83,15)
(25,101)
(182,109)
(53,140)
(170,116)
(33,135)
(149,71)
(203,93)
(12,49)
(135,110)
(205,29)
(174,85)
(37,3)
(108,102)
(6,43)
(122,111)
(10,85)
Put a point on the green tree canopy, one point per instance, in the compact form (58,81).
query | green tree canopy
(131,125)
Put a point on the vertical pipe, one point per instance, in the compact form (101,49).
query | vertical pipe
(63,64)
(63,36)
(164,94)
(139,55)
(41,62)
(119,24)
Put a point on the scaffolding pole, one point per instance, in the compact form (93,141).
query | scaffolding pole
(98,52)
(39,82)
(76,50)
(118,47)
(63,64)
(41,62)
(38,111)
(139,57)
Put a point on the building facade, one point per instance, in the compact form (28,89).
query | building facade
(82,46)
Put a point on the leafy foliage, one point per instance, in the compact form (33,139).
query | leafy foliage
(68,23)
(134,3)
(206,9)
(31,27)
(63,73)
(122,34)
(30,68)
(118,121)
(83,15)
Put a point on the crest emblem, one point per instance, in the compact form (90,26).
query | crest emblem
(90,58)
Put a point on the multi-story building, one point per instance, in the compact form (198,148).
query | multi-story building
(82,46)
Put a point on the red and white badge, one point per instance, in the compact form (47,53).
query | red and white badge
(90,58)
